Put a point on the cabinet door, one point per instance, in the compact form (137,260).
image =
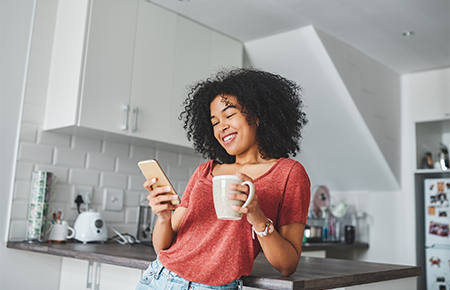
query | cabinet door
(108,64)
(192,63)
(225,52)
(153,71)
(430,95)
(73,274)
(119,278)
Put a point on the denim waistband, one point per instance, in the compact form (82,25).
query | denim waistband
(159,270)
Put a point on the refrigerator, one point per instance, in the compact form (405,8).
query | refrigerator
(437,234)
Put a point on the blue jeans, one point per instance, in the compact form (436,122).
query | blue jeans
(158,278)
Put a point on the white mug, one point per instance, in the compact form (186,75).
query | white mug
(59,233)
(222,204)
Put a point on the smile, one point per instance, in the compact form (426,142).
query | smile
(229,138)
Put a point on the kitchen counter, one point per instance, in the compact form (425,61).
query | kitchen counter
(312,273)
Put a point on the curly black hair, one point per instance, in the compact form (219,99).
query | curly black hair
(269,98)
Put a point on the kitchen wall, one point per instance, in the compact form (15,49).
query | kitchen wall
(339,150)
(17,268)
(375,90)
(77,160)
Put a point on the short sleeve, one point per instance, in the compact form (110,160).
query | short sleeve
(187,192)
(297,196)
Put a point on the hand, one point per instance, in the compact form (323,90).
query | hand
(254,214)
(160,200)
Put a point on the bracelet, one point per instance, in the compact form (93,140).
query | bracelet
(267,230)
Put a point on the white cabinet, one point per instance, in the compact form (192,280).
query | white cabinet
(90,74)
(429,136)
(199,53)
(123,66)
(430,95)
(153,71)
(77,274)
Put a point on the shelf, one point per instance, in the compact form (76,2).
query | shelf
(429,171)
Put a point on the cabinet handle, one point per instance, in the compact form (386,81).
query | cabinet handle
(97,276)
(89,275)
(135,112)
(126,108)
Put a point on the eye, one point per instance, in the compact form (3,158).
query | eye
(231,115)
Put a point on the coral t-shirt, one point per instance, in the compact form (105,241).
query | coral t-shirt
(215,252)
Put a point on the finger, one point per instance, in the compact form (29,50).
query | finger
(237,196)
(244,176)
(237,188)
(162,208)
(148,183)
(160,191)
(243,210)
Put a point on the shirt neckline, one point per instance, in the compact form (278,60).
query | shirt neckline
(272,168)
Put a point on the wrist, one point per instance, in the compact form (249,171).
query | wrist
(268,229)
(261,225)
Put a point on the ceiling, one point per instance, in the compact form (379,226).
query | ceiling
(373,27)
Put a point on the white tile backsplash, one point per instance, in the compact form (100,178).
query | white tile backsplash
(100,162)
(24,170)
(114,180)
(33,113)
(55,139)
(116,149)
(34,152)
(61,173)
(84,177)
(165,157)
(76,160)
(69,157)
(28,132)
(22,190)
(82,143)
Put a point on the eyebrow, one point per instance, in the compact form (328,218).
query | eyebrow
(224,109)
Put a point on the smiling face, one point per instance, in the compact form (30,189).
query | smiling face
(231,127)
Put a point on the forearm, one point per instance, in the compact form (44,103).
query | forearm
(280,253)
(163,234)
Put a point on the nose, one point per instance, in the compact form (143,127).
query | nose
(224,127)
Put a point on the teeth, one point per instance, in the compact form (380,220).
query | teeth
(229,137)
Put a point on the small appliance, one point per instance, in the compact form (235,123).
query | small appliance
(90,227)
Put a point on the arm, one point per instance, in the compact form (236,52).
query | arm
(167,224)
(166,230)
(282,247)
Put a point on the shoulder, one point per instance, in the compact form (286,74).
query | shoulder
(288,165)
(204,169)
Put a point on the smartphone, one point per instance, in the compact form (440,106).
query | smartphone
(150,169)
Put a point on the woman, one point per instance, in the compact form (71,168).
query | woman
(247,122)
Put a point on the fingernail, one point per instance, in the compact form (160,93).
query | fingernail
(174,196)
(167,188)
(153,180)
(229,195)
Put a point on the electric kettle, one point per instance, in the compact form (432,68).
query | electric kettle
(90,227)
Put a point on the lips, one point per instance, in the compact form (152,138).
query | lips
(228,138)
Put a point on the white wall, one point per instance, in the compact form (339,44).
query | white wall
(375,89)
(338,148)
(17,268)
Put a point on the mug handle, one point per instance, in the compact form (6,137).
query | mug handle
(72,234)
(251,194)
